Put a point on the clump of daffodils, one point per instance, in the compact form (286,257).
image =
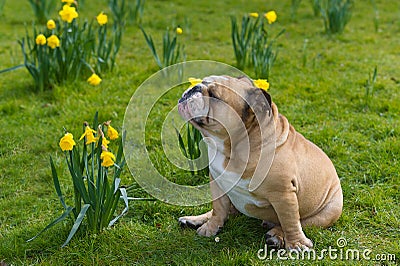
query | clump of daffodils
(173,51)
(252,42)
(69,49)
(90,136)
(95,169)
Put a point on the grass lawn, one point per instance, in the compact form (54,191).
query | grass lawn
(320,89)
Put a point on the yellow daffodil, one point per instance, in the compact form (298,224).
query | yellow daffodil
(89,135)
(40,39)
(68,13)
(112,133)
(105,142)
(194,81)
(69,2)
(94,80)
(67,142)
(253,14)
(107,159)
(51,24)
(102,19)
(262,84)
(179,30)
(271,17)
(53,41)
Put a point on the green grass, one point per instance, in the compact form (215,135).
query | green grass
(324,100)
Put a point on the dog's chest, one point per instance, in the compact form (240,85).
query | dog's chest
(233,185)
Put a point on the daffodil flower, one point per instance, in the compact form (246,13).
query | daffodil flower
(53,41)
(107,159)
(94,80)
(40,39)
(68,13)
(90,138)
(262,84)
(112,133)
(179,30)
(105,142)
(194,81)
(271,17)
(51,24)
(102,19)
(67,142)
(69,2)
(253,14)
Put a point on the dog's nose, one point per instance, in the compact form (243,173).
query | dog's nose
(187,94)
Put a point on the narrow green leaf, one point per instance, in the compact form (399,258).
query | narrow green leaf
(189,141)
(150,43)
(116,185)
(375,74)
(280,33)
(107,203)
(181,143)
(120,151)
(56,221)
(77,223)
(77,179)
(90,177)
(100,183)
(57,183)
(119,168)
(11,68)
(96,119)
(141,199)
(124,196)
(84,161)
(79,176)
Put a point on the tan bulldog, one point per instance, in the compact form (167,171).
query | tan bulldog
(259,164)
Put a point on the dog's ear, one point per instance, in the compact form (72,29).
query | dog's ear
(259,101)
(246,79)
(267,97)
(264,92)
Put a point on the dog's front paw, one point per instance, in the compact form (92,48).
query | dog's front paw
(274,237)
(299,244)
(191,221)
(208,229)
(195,222)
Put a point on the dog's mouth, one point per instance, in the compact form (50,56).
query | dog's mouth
(193,106)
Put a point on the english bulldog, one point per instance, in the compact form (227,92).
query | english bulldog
(259,164)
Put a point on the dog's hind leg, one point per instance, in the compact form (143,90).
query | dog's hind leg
(329,214)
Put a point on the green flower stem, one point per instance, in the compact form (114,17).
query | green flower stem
(77,196)
(99,188)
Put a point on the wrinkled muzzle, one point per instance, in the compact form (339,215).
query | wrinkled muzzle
(193,105)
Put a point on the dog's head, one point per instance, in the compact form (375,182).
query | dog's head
(222,104)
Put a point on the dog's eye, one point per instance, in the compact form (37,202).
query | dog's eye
(212,95)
